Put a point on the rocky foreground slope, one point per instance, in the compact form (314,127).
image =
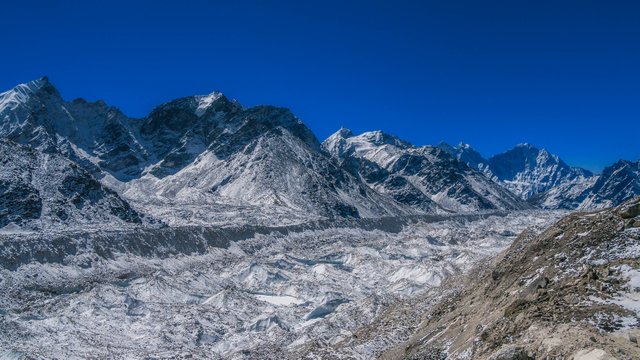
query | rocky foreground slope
(572,292)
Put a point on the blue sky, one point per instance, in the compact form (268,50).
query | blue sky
(564,75)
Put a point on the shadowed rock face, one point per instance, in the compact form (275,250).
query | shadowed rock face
(564,293)
(36,185)
(19,203)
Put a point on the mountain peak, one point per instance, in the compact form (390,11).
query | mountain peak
(35,86)
(23,92)
(525,145)
(344,132)
(205,101)
(379,137)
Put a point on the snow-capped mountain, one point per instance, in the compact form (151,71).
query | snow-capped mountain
(418,176)
(616,184)
(98,136)
(207,159)
(468,155)
(211,230)
(525,169)
(258,156)
(546,181)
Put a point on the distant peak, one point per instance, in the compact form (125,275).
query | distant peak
(526,146)
(344,132)
(205,101)
(379,137)
(34,86)
(23,92)
(38,83)
(374,134)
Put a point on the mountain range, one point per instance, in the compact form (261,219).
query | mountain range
(207,159)
(546,181)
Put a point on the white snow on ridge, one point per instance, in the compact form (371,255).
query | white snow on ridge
(205,101)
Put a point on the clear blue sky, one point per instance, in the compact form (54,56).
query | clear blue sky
(564,75)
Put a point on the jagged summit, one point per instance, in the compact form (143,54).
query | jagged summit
(343,132)
(205,101)
(528,170)
(34,86)
(22,93)
(379,137)
(526,145)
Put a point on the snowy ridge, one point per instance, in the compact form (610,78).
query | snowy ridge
(548,182)
(204,102)
(206,159)
(418,176)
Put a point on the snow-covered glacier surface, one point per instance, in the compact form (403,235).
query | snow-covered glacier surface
(252,293)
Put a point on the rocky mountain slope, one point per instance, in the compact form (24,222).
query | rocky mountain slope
(425,177)
(98,137)
(570,292)
(39,190)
